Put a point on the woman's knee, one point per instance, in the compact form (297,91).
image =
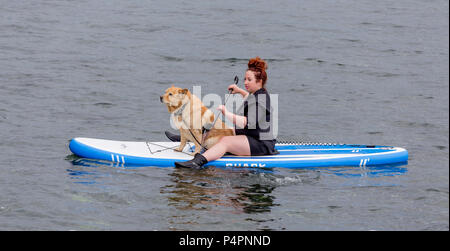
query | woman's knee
(225,140)
(230,141)
(237,145)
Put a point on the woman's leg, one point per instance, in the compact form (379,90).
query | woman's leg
(237,145)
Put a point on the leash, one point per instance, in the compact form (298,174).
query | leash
(165,148)
(189,129)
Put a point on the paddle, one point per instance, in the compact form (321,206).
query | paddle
(236,81)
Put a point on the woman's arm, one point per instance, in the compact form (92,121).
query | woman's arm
(236,89)
(239,121)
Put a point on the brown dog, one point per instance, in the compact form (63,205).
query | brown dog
(189,115)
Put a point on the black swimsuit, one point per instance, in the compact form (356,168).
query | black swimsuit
(259,127)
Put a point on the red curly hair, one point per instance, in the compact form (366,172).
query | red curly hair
(258,67)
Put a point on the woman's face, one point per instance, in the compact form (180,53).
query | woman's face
(250,82)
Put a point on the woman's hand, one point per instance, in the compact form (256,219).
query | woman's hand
(240,121)
(222,109)
(234,89)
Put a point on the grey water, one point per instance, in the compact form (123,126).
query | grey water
(358,72)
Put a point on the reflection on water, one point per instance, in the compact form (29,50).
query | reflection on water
(222,191)
(215,180)
(237,191)
(365,171)
(256,198)
(377,172)
(90,171)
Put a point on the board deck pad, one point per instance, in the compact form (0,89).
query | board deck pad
(291,155)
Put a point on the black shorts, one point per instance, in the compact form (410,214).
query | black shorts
(257,148)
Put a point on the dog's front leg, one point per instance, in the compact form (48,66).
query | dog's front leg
(183,142)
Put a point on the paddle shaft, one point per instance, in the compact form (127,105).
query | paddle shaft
(236,81)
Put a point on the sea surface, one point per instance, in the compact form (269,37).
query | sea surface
(357,72)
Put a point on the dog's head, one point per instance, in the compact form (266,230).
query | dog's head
(174,97)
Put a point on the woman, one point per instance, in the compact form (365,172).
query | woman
(252,123)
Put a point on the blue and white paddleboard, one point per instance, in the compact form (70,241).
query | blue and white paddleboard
(291,155)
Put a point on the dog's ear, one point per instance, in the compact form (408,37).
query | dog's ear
(184,91)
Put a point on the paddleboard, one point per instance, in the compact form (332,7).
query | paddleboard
(292,155)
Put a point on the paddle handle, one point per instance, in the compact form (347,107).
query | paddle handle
(236,81)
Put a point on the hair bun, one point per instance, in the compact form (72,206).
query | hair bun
(257,63)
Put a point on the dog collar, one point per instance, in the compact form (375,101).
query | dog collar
(180,110)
